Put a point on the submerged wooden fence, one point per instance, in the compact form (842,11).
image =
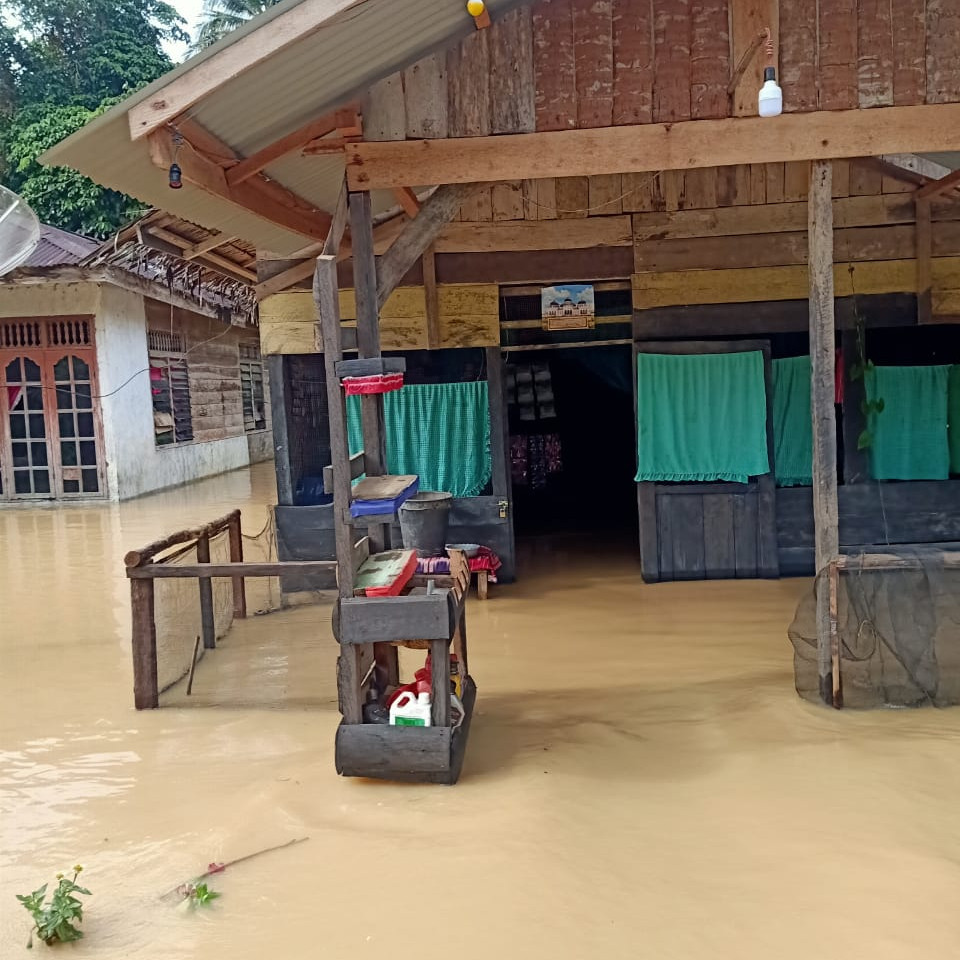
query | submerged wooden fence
(142,569)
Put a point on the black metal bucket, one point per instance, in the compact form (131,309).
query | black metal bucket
(424,520)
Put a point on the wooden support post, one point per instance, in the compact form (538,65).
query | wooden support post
(833,581)
(329,339)
(822,398)
(207,622)
(924,267)
(236,556)
(440,683)
(368,345)
(146,694)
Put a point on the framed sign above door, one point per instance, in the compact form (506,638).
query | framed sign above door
(568,307)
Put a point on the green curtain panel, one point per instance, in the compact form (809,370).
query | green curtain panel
(792,424)
(439,431)
(910,433)
(701,417)
(953,418)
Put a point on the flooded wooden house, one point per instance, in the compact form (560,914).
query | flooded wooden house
(127,368)
(570,215)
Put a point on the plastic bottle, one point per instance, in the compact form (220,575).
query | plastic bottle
(410,711)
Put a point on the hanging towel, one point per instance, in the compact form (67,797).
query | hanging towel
(910,434)
(438,431)
(792,423)
(701,417)
(953,418)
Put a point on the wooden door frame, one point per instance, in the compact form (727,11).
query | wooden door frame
(768,565)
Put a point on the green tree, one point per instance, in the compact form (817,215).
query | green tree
(65,62)
(219,17)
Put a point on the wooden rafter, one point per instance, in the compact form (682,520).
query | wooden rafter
(937,187)
(655,146)
(175,240)
(205,246)
(266,199)
(252,165)
(418,235)
(181,93)
(408,200)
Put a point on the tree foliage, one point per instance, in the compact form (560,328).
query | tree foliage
(220,17)
(64,62)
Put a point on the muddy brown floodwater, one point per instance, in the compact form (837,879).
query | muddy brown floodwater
(641,782)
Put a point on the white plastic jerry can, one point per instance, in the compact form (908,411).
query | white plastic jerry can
(410,711)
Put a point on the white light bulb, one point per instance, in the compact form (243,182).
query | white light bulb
(770,101)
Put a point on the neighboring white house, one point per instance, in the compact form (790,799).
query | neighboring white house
(125,370)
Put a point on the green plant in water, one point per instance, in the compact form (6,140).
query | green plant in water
(199,894)
(54,921)
(859,371)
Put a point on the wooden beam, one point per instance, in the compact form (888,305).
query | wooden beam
(214,71)
(331,246)
(204,246)
(327,145)
(655,146)
(942,185)
(422,231)
(269,201)
(924,233)
(823,409)
(177,241)
(256,162)
(408,200)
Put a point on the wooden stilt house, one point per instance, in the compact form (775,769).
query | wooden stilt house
(745,271)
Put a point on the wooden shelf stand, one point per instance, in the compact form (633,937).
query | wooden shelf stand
(429,612)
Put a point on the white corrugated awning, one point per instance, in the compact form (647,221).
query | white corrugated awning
(306,75)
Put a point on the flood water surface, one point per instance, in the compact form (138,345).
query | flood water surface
(641,779)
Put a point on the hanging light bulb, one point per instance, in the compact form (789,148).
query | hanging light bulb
(475,8)
(770,101)
(175,175)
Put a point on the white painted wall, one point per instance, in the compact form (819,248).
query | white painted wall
(135,465)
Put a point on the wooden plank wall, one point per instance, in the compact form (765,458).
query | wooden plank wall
(562,64)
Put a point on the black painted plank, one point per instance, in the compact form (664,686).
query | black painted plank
(720,558)
(370,366)
(922,511)
(745,534)
(647,511)
(382,619)
(689,562)
(280,422)
(664,531)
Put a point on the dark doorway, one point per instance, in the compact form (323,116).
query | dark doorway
(573,446)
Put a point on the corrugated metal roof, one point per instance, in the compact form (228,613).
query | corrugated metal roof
(327,67)
(59,248)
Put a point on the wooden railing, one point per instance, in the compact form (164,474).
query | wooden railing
(142,569)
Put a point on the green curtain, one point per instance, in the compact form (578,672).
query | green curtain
(953,418)
(701,417)
(910,433)
(792,424)
(438,431)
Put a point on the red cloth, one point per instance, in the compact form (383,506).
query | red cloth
(485,559)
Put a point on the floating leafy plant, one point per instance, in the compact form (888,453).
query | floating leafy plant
(55,921)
